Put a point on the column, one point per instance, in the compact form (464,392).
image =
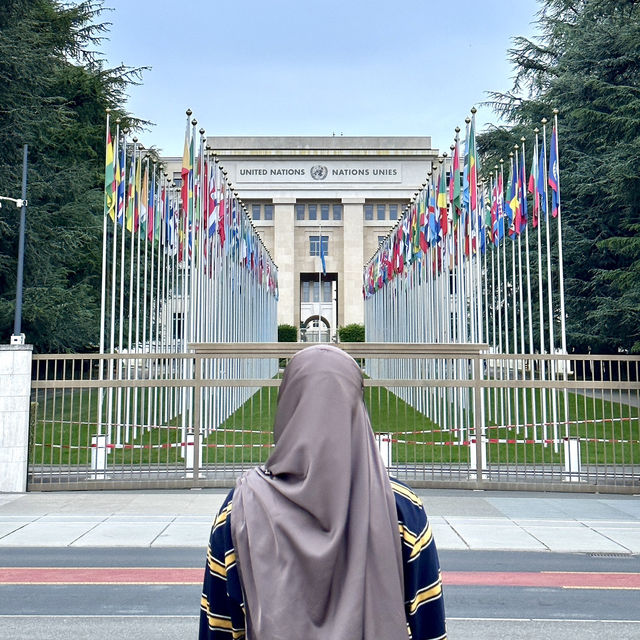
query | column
(15,394)
(284,257)
(350,289)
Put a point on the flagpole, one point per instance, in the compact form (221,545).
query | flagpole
(529,301)
(136,348)
(103,290)
(320,279)
(560,253)
(514,294)
(552,367)
(114,275)
(103,293)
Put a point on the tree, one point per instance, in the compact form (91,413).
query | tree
(586,62)
(54,90)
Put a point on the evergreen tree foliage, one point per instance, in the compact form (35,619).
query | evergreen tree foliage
(54,90)
(586,63)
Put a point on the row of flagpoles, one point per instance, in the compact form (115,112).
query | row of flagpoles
(477,258)
(445,236)
(181,263)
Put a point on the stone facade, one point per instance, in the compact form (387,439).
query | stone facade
(290,186)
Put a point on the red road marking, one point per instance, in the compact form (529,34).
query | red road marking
(188,576)
(100,575)
(558,580)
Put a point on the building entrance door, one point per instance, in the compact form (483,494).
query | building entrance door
(318,307)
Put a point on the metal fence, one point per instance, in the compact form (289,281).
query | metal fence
(444,415)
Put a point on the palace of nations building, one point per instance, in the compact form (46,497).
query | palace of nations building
(344,192)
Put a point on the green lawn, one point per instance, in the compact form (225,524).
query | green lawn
(64,421)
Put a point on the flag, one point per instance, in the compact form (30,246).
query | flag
(322,262)
(131,195)
(434,225)
(500,210)
(442,202)
(151,212)
(492,222)
(515,198)
(508,201)
(186,169)
(522,190)
(137,192)
(540,186)
(415,231)
(121,184)
(455,195)
(211,222)
(424,231)
(158,211)
(533,181)
(170,232)
(221,207)
(144,197)
(554,174)
(109,181)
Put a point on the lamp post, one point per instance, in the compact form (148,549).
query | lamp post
(17,337)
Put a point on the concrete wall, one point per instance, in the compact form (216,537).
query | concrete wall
(15,394)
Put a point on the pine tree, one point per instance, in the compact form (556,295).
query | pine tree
(586,62)
(54,91)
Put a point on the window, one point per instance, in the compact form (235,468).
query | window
(393,212)
(324,212)
(268,212)
(381,239)
(255,211)
(316,292)
(305,291)
(177,326)
(368,212)
(314,245)
(313,211)
(337,212)
(299,212)
(381,210)
(326,291)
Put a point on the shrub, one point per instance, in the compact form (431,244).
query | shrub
(287,333)
(351,333)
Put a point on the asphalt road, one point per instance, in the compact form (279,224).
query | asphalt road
(485,608)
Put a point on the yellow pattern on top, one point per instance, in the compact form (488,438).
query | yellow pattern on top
(406,492)
(425,595)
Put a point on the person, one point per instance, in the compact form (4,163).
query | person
(319,542)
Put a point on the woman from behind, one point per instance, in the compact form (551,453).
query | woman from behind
(319,543)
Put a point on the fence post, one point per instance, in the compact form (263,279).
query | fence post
(15,391)
(98,455)
(197,397)
(480,449)
(383,440)
(572,460)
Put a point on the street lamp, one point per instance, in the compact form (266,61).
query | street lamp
(17,337)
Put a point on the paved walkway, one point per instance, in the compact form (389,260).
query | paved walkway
(478,520)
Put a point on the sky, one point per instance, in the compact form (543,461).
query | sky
(294,68)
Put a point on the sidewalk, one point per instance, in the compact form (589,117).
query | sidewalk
(461,520)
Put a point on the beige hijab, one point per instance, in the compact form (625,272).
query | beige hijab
(315,530)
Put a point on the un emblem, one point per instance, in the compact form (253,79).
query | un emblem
(319,172)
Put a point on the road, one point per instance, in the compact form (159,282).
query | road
(147,592)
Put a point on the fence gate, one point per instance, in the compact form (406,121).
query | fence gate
(444,415)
